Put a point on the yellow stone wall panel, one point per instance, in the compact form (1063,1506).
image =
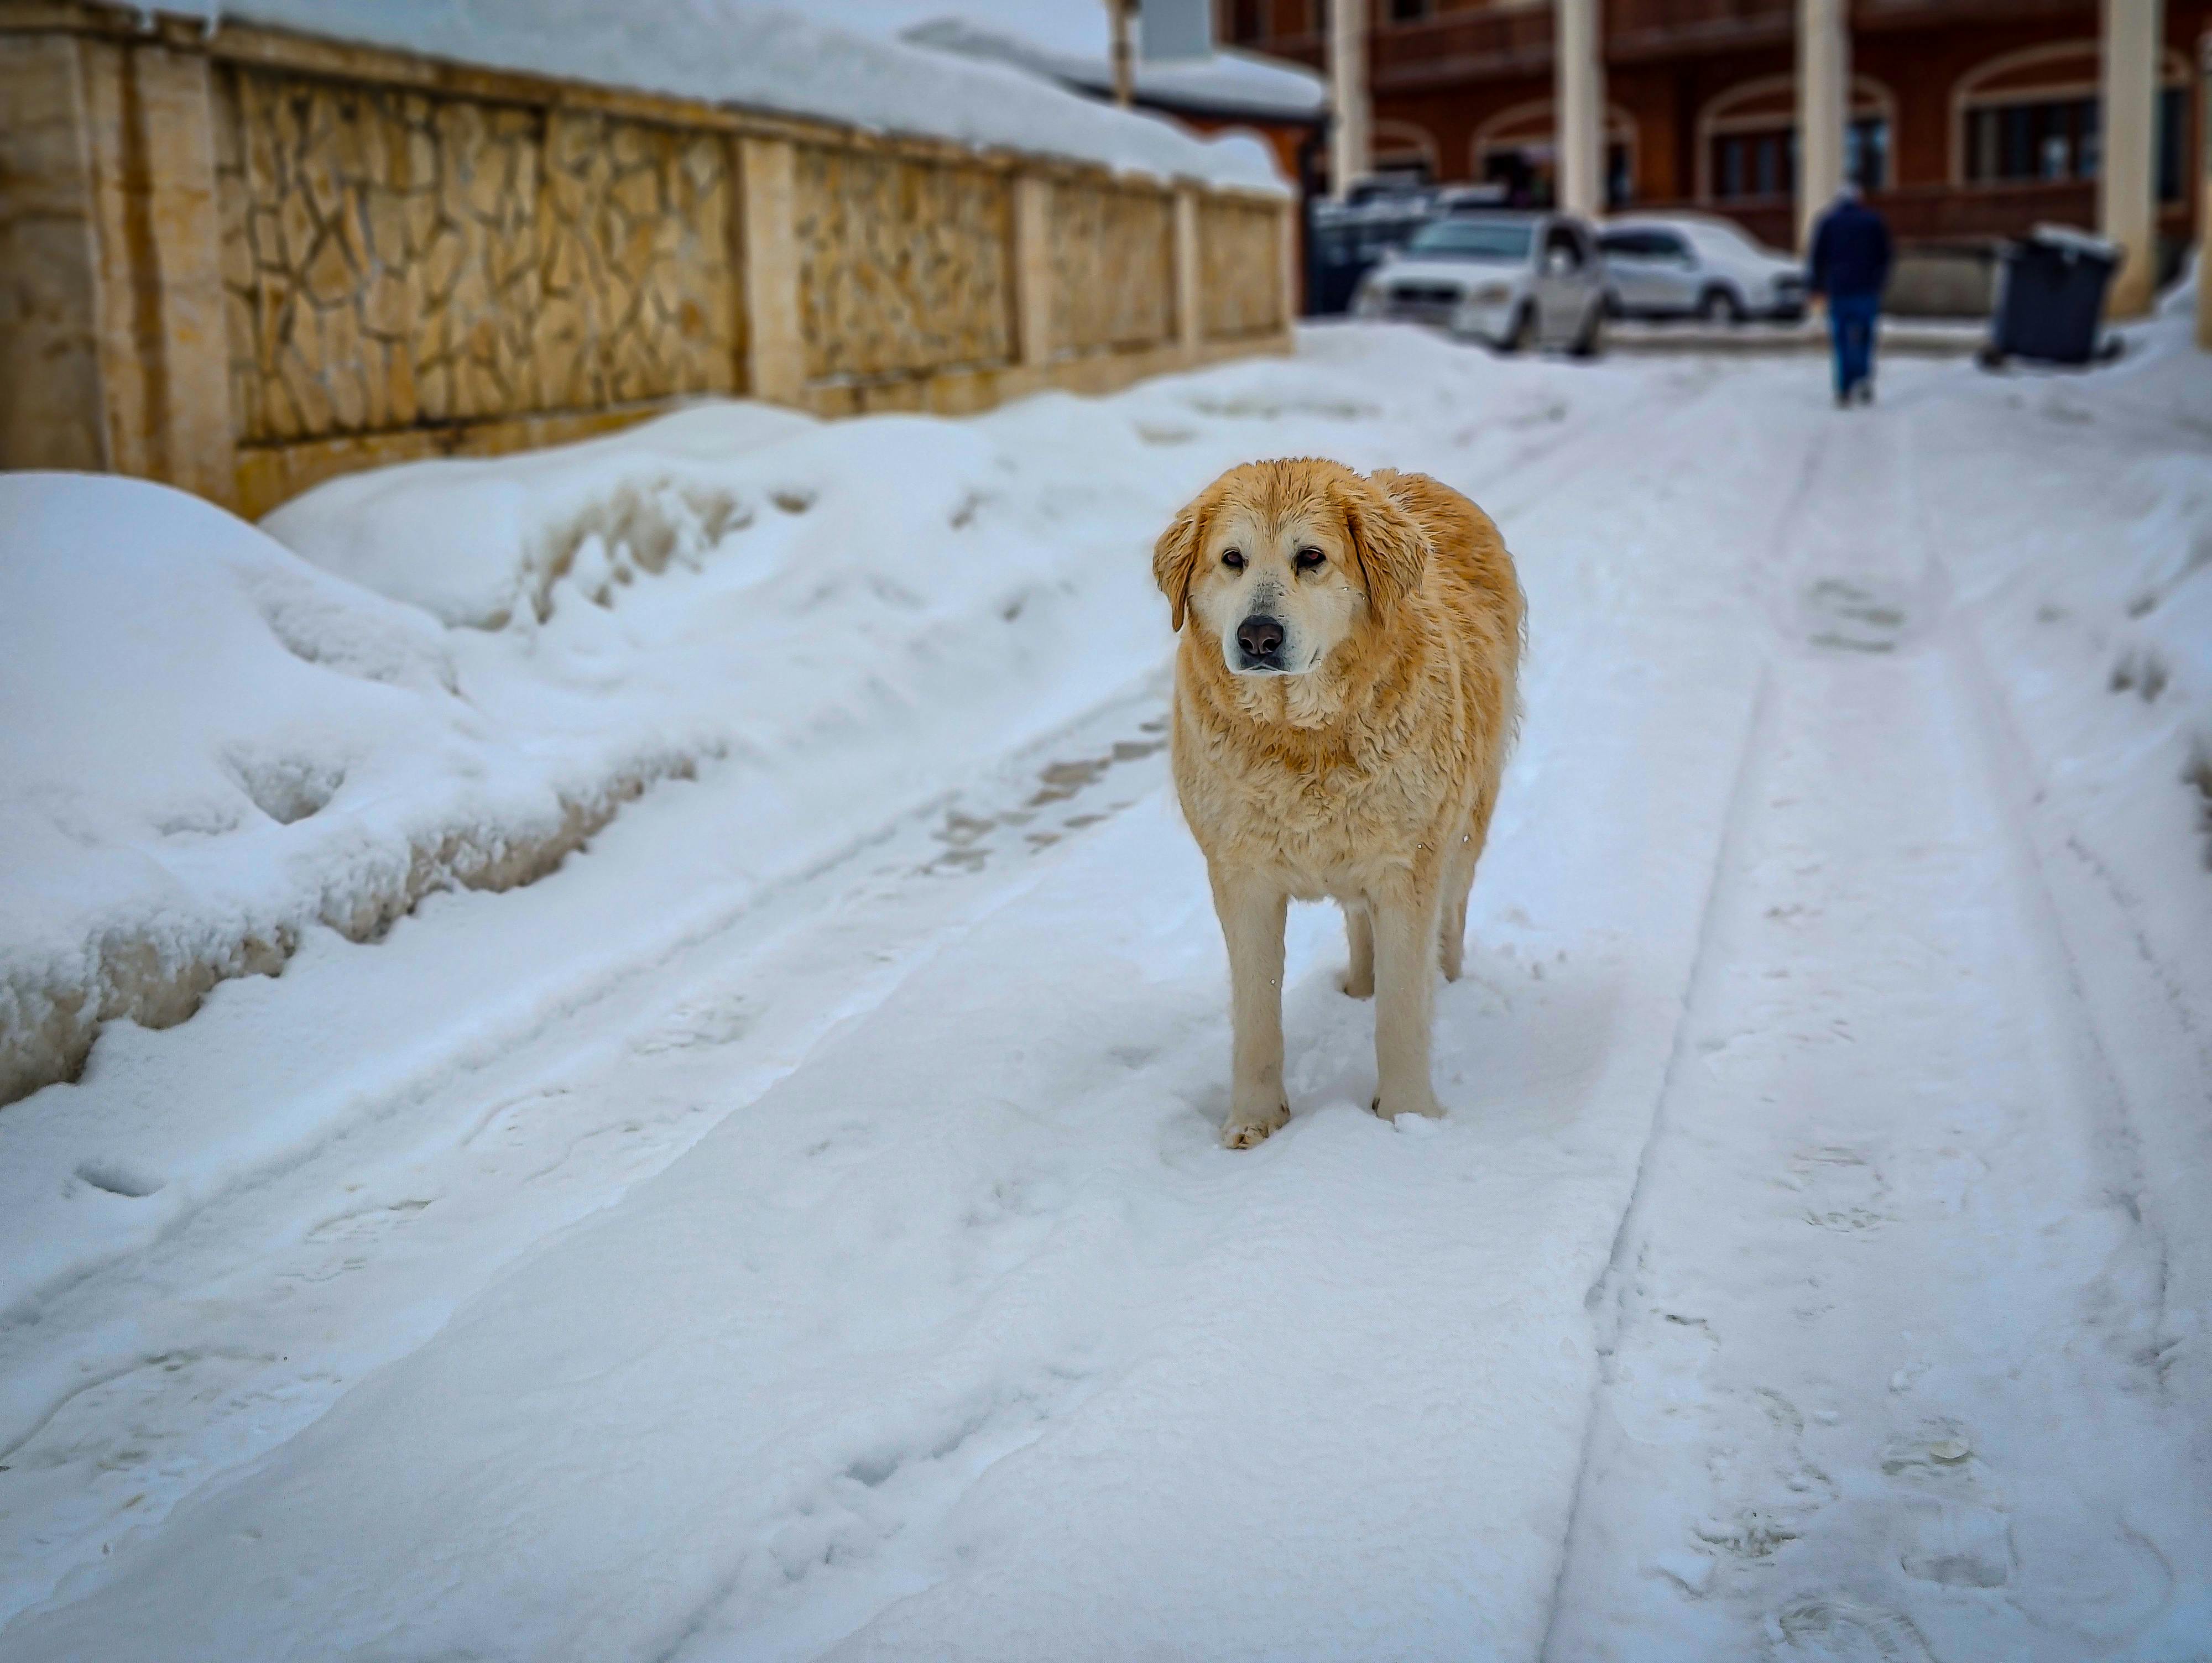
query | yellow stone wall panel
(393,257)
(1241,268)
(1113,267)
(905,265)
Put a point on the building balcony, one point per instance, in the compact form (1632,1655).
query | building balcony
(1927,213)
(1515,38)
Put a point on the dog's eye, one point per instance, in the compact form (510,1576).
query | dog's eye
(1311,559)
(1233,559)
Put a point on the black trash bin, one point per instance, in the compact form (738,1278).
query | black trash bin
(2051,296)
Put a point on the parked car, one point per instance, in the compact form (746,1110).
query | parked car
(1515,280)
(1686,265)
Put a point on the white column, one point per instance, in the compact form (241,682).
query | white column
(1824,104)
(2127,170)
(1351,142)
(1579,98)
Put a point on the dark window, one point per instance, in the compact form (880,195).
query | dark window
(2172,130)
(1643,245)
(1866,153)
(1755,164)
(2050,138)
(1247,19)
(1408,12)
(1562,246)
(1620,187)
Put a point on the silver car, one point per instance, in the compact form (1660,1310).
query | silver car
(1515,280)
(1687,265)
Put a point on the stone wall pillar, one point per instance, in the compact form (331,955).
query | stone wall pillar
(1823,103)
(2127,173)
(776,336)
(1578,100)
(51,415)
(1033,295)
(112,327)
(1350,136)
(1189,274)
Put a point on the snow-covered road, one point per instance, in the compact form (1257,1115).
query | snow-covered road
(822,1248)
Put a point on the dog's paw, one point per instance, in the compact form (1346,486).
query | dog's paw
(1427,1106)
(1245,1131)
(1359,987)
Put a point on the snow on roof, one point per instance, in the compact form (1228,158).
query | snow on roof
(738,52)
(1224,81)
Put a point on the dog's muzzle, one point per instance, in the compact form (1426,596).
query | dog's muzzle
(1260,644)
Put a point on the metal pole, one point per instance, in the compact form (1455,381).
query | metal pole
(1125,72)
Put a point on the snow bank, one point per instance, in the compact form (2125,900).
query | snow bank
(2093,589)
(209,745)
(1221,81)
(476,542)
(729,52)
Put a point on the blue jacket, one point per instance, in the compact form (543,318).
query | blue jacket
(1851,251)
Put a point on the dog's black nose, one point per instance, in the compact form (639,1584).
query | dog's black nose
(1260,638)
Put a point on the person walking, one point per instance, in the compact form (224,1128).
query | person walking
(1849,266)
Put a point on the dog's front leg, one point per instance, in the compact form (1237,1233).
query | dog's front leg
(1252,911)
(1405,930)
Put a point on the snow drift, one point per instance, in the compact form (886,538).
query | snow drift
(210,745)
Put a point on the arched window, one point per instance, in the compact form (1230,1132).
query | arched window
(2032,116)
(1406,148)
(1747,140)
(1518,148)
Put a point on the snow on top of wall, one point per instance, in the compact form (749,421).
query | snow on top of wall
(1222,81)
(731,51)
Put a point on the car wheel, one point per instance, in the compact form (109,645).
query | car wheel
(1718,305)
(1521,333)
(1591,341)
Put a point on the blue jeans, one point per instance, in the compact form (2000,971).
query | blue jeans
(1850,323)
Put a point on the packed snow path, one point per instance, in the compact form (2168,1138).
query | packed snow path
(1810,1266)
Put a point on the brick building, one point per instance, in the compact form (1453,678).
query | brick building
(1967,119)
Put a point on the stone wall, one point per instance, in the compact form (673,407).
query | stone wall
(1241,276)
(391,258)
(246,261)
(905,267)
(1113,279)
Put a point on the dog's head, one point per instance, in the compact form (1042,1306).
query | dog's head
(1282,562)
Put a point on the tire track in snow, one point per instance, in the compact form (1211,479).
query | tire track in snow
(146,1382)
(1886,1230)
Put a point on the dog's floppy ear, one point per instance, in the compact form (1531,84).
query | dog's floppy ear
(1387,542)
(1174,557)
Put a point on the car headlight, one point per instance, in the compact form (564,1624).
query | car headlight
(1491,295)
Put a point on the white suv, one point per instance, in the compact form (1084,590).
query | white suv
(1687,265)
(1514,280)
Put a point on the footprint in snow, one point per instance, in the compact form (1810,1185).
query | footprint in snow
(1833,1629)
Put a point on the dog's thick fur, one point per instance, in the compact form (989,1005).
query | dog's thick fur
(1365,767)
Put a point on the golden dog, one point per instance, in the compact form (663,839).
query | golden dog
(1345,691)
